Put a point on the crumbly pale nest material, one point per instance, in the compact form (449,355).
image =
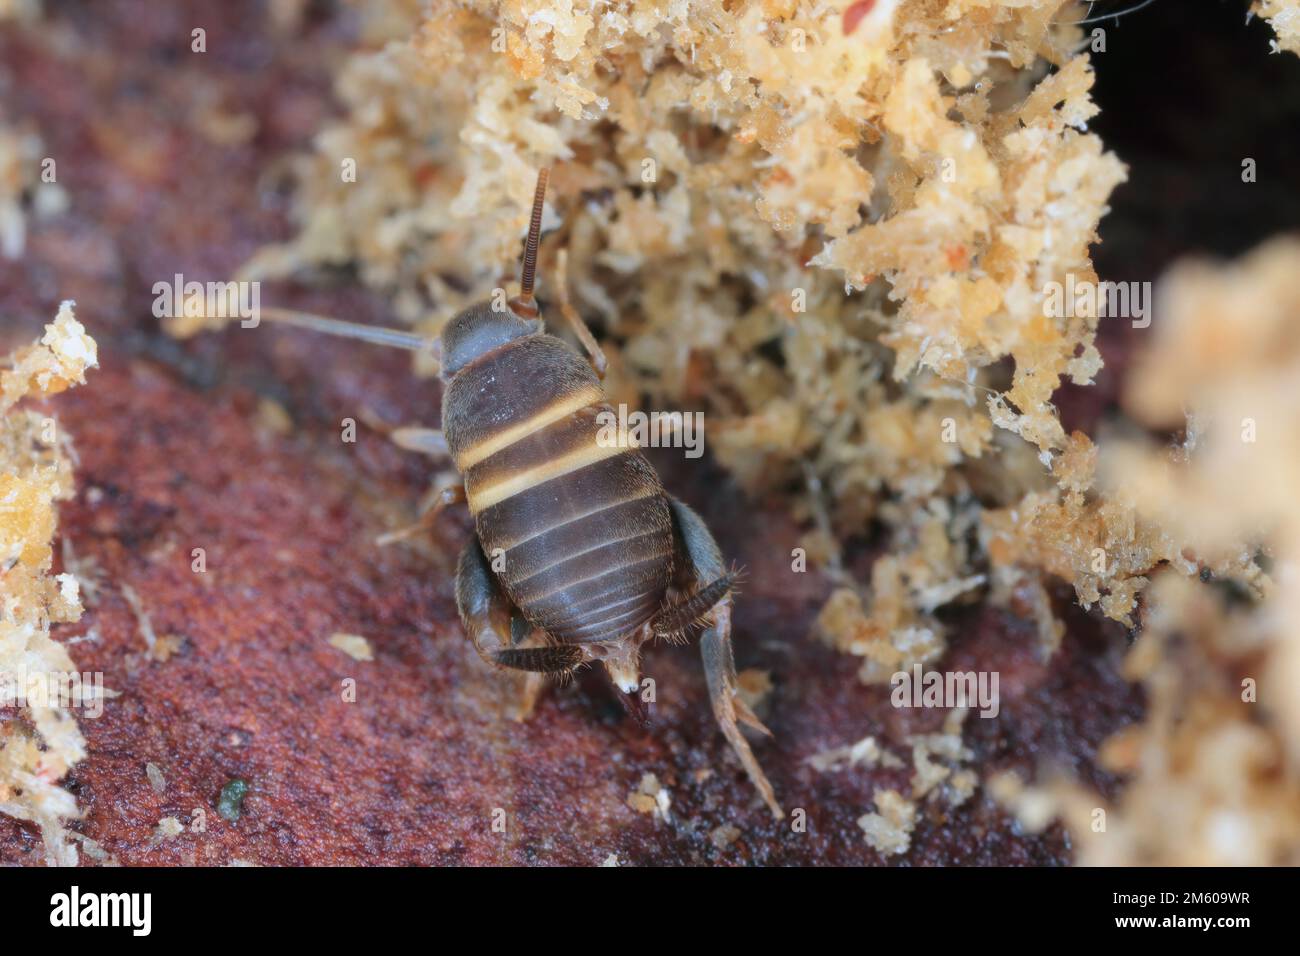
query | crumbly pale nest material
(35,474)
(830,228)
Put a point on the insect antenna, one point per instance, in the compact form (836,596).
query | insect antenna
(374,334)
(1116,14)
(523,305)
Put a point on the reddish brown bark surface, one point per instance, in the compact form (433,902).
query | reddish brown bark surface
(174,455)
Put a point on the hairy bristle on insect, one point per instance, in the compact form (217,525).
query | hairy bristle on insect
(677,625)
(557,658)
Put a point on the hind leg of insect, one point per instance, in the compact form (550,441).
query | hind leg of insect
(416,438)
(486,611)
(676,622)
(704,560)
(426,441)
(522,633)
(451,495)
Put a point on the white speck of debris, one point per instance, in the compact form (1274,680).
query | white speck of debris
(90,637)
(611,860)
(945,775)
(93,849)
(168,828)
(67,339)
(651,797)
(1033,807)
(69,588)
(889,831)
(353,645)
(866,752)
(155,776)
(663,804)
(723,836)
(142,617)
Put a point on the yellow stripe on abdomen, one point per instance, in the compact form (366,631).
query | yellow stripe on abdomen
(491,444)
(483,496)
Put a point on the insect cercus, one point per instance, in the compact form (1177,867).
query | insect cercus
(598,558)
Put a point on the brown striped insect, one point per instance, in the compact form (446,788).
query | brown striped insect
(573,536)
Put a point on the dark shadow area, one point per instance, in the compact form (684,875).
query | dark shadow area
(1188,92)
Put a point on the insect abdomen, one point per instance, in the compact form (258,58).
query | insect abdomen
(578,529)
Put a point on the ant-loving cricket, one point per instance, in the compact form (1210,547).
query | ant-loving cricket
(575,537)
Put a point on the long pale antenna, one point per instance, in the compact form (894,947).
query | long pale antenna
(523,304)
(1116,14)
(375,334)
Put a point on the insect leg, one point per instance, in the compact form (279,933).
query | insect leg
(594,352)
(556,659)
(675,622)
(426,441)
(452,495)
(521,633)
(485,611)
(705,560)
